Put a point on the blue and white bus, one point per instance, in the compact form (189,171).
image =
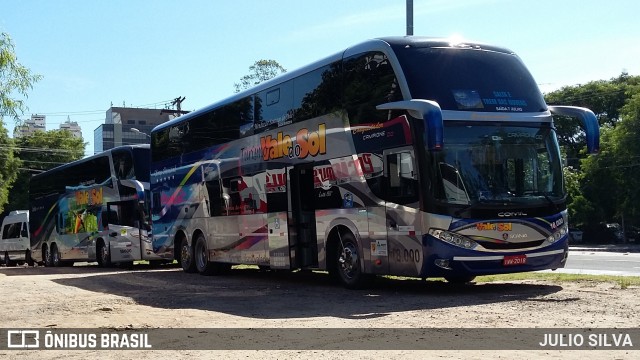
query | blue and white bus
(93,209)
(399,156)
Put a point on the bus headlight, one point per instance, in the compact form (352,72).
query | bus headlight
(453,238)
(558,234)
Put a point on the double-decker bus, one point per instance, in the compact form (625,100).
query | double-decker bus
(404,156)
(93,209)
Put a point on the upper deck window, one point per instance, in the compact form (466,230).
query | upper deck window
(470,79)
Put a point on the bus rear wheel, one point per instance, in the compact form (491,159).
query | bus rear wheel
(201,255)
(7,261)
(55,256)
(46,256)
(186,257)
(28,258)
(348,263)
(103,254)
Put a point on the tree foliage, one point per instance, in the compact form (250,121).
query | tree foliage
(15,79)
(604,97)
(39,152)
(9,165)
(260,71)
(606,187)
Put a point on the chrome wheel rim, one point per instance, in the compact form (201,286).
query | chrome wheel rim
(349,261)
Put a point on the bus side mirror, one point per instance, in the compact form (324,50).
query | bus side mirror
(429,112)
(589,121)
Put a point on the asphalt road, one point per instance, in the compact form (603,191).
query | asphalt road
(602,263)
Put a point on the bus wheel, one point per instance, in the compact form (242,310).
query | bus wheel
(46,255)
(103,254)
(55,256)
(186,257)
(28,257)
(201,256)
(7,261)
(459,279)
(348,263)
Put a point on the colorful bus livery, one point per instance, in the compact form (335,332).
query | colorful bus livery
(399,156)
(93,209)
(303,144)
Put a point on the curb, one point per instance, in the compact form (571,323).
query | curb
(608,248)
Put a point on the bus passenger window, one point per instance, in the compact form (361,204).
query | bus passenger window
(232,201)
(401,177)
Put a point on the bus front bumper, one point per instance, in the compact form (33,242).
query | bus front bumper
(447,260)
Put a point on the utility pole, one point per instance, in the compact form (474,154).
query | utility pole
(176,102)
(409,17)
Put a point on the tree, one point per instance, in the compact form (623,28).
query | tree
(610,181)
(626,148)
(9,167)
(604,97)
(603,188)
(260,71)
(15,79)
(39,152)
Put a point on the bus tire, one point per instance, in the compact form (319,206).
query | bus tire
(201,257)
(55,256)
(46,256)
(7,262)
(459,279)
(186,257)
(348,263)
(28,258)
(103,254)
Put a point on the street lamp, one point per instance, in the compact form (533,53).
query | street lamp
(140,132)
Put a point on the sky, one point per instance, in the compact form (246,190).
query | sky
(144,53)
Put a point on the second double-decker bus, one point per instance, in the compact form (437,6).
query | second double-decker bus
(93,209)
(404,156)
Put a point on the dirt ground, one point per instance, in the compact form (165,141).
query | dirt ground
(90,297)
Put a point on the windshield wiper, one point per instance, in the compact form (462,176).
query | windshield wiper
(490,203)
(546,197)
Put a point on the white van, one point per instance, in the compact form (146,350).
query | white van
(14,244)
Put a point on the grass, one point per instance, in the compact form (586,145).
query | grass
(623,281)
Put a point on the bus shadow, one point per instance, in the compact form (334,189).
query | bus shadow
(80,268)
(274,295)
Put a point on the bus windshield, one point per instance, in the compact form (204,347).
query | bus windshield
(470,79)
(491,163)
(142,160)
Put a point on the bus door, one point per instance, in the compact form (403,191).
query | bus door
(302,218)
(276,186)
(125,239)
(402,212)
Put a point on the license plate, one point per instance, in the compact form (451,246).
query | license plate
(514,260)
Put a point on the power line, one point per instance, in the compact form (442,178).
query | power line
(31,170)
(90,112)
(20,149)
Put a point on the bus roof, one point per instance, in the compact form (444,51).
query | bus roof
(60,167)
(369,45)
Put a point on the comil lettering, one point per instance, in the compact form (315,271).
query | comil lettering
(303,144)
